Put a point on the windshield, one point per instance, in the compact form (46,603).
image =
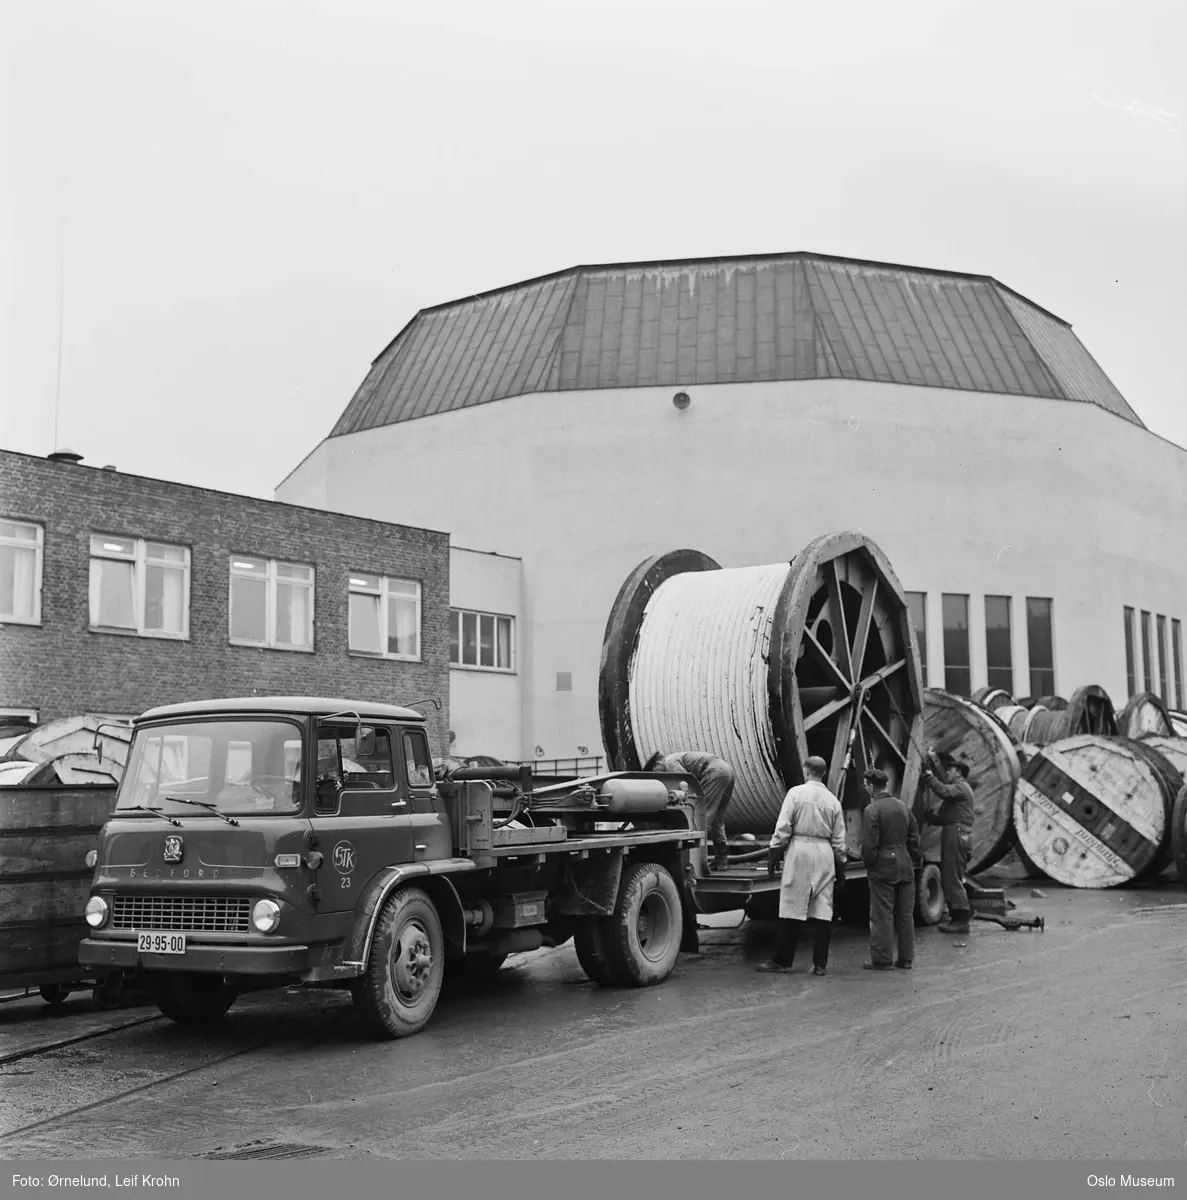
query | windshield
(237,766)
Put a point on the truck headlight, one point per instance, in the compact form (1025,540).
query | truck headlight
(97,912)
(265,916)
(92,858)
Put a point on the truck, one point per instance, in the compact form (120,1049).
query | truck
(260,842)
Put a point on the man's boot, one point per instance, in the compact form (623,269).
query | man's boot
(959,922)
(721,860)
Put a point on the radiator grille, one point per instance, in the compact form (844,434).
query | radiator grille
(189,914)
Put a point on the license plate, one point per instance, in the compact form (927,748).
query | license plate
(160,943)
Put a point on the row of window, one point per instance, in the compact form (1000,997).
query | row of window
(143,587)
(1165,666)
(999,652)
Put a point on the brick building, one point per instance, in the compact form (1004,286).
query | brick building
(118,593)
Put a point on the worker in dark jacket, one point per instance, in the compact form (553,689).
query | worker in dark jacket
(890,849)
(716,779)
(955,818)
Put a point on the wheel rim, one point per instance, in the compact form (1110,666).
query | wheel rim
(411,962)
(653,926)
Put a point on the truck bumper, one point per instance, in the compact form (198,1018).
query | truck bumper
(204,958)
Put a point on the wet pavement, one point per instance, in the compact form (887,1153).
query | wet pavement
(1069,1043)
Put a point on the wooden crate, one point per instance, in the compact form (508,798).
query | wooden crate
(45,834)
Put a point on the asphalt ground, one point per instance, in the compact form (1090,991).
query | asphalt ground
(1069,1043)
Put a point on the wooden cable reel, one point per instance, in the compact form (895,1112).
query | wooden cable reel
(764,667)
(970,734)
(1095,812)
(1144,713)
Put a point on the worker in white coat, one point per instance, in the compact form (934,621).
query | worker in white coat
(811,827)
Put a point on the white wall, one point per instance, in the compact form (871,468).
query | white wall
(485,706)
(965,492)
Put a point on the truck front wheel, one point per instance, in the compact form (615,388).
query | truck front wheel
(399,990)
(643,938)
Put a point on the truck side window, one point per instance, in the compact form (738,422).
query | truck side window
(417,761)
(367,760)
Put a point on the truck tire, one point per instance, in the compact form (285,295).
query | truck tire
(191,999)
(929,896)
(54,994)
(643,938)
(590,940)
(108,993)
(399,990)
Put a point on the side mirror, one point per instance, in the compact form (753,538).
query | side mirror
(329,792)
(365,742)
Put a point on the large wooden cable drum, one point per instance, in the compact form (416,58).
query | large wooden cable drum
(764,666)
(1095,812)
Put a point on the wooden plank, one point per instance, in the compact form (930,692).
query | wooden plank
(42,854)
(44,807)
(962,729)
(524,837)
(43,900)
(1090,812)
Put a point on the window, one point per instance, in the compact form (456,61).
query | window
(479,639)
(957,673)
(1042,647)
(139,586)
(361,759)
(271,604)
(917,610)
(237,766)
(1177,653)
(384,616)
(1131,674)
(1147,662)
(1163,673)
(998,654)
(20,572)
(416,760)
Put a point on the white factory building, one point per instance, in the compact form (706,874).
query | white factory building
(566,428)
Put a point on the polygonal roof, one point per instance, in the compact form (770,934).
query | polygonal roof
(728,320)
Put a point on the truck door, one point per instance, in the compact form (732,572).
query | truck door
(432,837)
(364,823)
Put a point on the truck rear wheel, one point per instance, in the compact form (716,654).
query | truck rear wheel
(399,990)
(643,939)
(591,941)
(191,999)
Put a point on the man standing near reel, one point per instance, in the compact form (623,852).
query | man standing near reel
(811,829)
(890,849)
(955,818)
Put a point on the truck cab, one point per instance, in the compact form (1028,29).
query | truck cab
(260,842)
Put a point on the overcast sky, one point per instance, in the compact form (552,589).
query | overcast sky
(257,196)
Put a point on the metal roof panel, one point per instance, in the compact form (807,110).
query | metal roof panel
(724,320)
